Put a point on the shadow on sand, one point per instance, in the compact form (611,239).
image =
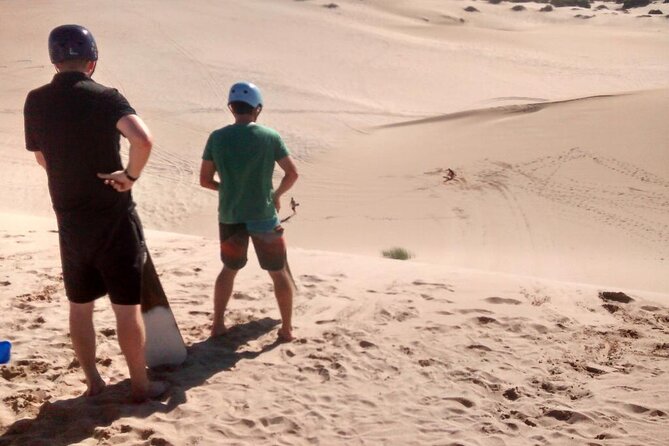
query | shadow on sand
(69,421)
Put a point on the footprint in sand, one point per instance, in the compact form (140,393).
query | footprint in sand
(108,332)
(26,368)
(650,308)
(25,400)
(502,300)
(311,278)
(614,296)
(485,320)
(105,362)
(480,347)
(10,373)
(199,313)
(646,411)
(474,310)
(463,401)
(325,321)
(443,286)
(444,313)
(38,322)
(243,296)
(568,416)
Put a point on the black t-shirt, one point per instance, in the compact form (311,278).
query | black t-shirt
(72,121)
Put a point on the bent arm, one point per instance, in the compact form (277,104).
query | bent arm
(137,133)
(289,178)
(141,142)
(207,172)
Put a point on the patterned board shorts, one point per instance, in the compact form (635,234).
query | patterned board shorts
(270,246)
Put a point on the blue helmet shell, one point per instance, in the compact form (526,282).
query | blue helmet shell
(245,92)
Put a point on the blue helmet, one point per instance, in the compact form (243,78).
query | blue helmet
(69,42)
(245,92)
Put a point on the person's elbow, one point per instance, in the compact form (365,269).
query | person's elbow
(292,175)
(136,131)
(144,143)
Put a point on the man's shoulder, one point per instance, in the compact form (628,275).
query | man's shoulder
(222,132)
(268,134)
(86,84)
(102,90)
(266,130)
(39,91)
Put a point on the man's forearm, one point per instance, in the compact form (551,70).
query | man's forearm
(141,143)
(210,184)
(137,158)
(286,183)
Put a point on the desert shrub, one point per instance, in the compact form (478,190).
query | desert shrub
(547,8)
(627,4)
(565,3)
(518,8)
(397,253)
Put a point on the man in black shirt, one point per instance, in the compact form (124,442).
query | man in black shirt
(73,126)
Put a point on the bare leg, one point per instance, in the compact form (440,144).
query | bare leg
(132,340)
(82,333)
(283,290)
(222,293)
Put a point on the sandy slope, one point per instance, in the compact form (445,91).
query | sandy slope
(575,190)
(389,353)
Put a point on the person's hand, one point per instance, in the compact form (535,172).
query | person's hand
(277,203)
(118,180)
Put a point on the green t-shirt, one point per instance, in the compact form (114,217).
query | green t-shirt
(244,156)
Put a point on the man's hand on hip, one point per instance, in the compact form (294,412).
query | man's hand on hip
(118,180)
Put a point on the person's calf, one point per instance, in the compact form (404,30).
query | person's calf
(283,292)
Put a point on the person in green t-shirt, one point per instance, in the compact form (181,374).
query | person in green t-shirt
(243,155)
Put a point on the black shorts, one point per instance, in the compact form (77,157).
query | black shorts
(270,247)
(103,257)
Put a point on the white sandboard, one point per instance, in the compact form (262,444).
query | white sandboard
(164,344)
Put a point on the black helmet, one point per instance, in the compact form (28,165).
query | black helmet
(68,42)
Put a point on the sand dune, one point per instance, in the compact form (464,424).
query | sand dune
(541,189)
(504,329)
(389,352)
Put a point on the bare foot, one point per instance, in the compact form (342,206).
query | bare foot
(218,330)
(285,335)
(96,387)
(154,390)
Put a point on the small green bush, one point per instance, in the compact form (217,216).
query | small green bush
(565,3)
(397,253)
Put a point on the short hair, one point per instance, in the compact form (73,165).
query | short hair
(73,64)
(241,108)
